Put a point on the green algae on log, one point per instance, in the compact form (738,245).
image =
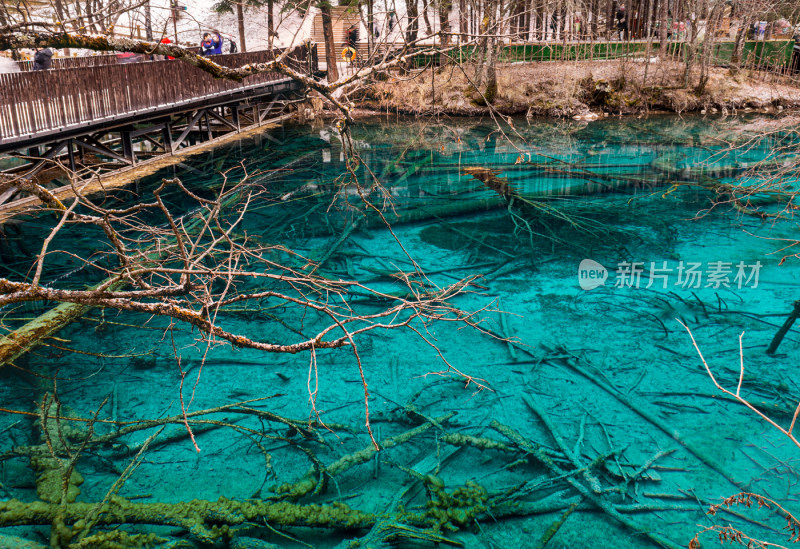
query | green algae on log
(19,342)
(207,520)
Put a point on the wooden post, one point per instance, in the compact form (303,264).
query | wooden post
(208,126)
(235,118)
(127,146)
(71,155)
(167,136)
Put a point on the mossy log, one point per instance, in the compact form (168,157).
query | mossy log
(311,482)
(681,165)
(208,520)
(20,341)
(14,542)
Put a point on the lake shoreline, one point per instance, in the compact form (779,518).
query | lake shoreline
(580,90)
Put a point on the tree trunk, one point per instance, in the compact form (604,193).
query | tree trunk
(712,24)
(530,31)
(486,69)
(174,16)
(330,47)
(663,18)
(370,28)
(59,7)
(240,18)
(691,44)
(425,6)
(270,23)
(79,24)
(444,21)
(462,20)
(412,13)
(92,18)
(629,18)
(738,46)
(148,21)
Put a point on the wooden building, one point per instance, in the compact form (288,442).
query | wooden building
(343,18)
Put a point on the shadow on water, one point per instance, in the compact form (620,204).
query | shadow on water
(597,426)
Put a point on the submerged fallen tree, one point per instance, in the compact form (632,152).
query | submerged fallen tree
(83,524)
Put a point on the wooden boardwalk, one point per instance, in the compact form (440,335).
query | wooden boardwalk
(37,104)
(94,118)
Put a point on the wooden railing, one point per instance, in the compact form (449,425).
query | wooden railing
(73,62)
(46,101)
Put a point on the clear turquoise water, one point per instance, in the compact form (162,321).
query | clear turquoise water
(612,366)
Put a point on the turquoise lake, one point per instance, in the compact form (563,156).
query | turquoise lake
(587,247)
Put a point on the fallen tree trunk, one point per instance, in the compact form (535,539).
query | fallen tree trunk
(208,520)
(20,341)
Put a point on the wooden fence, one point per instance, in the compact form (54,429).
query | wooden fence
(46,101)
(774,55)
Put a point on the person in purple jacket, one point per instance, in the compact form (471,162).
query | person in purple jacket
(211,44)
(43,60)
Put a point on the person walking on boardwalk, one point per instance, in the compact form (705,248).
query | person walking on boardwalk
(622,22)
(166,40)
(352,36)
(211,44)
(43,59)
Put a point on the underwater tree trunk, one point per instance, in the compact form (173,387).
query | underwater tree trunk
(22,340)
(199,517)
(787,325)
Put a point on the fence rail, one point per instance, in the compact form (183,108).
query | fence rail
(44,101)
